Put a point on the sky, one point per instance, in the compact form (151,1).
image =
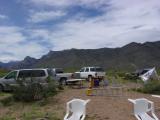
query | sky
(34,27)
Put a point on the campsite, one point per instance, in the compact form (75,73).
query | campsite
(79,60)
(102,106)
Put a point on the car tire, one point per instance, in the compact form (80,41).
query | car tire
(63,81)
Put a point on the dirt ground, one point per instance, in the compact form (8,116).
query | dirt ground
(99,108)
(108,108)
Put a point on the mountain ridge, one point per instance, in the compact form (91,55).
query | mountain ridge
(130,56)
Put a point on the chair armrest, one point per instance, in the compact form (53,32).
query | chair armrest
(155,117)
(131,100)
(158,96)
(137,117)
(67,111)
(83,116)
(66,116)
(152,110)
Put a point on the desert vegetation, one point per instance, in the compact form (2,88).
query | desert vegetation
(51,103)
(3,72)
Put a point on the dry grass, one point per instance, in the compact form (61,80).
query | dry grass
(100,107)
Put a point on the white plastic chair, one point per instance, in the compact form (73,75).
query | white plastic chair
(76,109)
(158,96)
(141,108)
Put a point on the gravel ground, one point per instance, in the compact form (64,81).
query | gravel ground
(99,108)
(107,108)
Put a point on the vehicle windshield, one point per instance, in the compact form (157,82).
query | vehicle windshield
(82,70)
(11,75)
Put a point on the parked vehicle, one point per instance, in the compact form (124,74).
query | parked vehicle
(60,76)
(36,75)
(92,72)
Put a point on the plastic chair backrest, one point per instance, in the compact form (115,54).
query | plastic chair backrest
(141,106)
(78,106)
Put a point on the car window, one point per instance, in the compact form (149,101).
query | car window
(38,73)
(92,69)
(31,73)
(87,70)
(82,70)
(59,70)
(24,74)
(144,71)
(11,75)
(99,69)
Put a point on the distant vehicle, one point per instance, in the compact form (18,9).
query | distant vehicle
(38,75)
(141,72)
(92,72)
(60,76)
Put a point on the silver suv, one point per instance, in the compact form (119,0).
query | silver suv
(37,75)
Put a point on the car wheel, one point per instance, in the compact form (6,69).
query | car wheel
(63,81)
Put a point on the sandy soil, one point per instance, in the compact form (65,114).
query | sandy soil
(108,108)
(99,108)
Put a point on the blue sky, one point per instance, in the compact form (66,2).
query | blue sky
(34,27)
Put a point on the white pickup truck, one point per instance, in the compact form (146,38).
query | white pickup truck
(92,72)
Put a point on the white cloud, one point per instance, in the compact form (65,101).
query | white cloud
(45,16)
(18,52)
(10,35)
(123,23)
(14,45)
(69,3)
(62,3)
(40,33)
(3,16)
(53,2)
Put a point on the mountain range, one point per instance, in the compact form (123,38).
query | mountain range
(129,57)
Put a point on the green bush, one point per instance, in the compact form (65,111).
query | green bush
(151,87)
(33,91)
(51,89)
(28,92)
(131,77)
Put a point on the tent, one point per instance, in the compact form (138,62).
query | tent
(150,74)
